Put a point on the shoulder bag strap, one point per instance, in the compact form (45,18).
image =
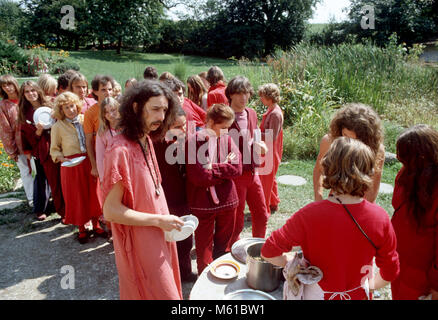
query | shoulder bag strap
(357,224)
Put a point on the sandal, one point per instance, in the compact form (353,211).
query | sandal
(41,217)
(83,237)
(99,232)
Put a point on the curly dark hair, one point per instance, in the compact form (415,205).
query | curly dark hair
(132,122)
(417,150)
(361,119)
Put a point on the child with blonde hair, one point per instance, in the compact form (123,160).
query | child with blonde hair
(48,84)
(272,128)
(80,189)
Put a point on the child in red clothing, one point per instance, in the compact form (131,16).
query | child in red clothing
(342,235)
(211,192)
(415,218)
(272,123)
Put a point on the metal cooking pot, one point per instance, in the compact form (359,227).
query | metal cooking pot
(261,275)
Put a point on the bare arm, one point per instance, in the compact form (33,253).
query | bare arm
(378,282)
(371,194)
(317,170)
(280,261)
(115,211)
(89,142)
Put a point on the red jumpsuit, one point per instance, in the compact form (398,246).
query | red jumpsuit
(272,120)
(216,208)
(249,188)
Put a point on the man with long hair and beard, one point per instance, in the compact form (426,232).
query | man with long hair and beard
(135,203)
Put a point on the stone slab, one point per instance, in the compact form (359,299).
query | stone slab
(386,188)
(291,180)
(10,203)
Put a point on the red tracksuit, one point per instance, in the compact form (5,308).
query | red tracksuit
(216,218)
(248,185)
(273,120)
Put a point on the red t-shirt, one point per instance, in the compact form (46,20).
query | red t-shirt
(331,241)
(216,94)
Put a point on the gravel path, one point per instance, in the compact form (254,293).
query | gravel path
(43,260)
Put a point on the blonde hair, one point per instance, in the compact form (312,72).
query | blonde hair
(47,83)
(197,89)
(270,91)
(63,99)
(103,122)
(117,89)
(219,113)
(166,76)
(348,167)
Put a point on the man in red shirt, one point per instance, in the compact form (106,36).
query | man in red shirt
(248,185)
(216,92)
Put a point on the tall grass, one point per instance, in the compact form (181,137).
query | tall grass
(316,80)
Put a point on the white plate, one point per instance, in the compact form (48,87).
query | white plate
(238,250)
(73,162)
(43,115)
(191,218)
(225,269)
(248,294)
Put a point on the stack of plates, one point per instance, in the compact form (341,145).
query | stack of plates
(190,225)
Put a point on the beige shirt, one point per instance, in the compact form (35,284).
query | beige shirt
(65,141)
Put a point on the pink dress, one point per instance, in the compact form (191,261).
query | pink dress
(147,265)
(102,141)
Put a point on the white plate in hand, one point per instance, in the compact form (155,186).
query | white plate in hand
(43,115)
(73,162)
(190,225)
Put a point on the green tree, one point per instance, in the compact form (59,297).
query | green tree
(11,17)
(248,28)
(126,21)
(412,20)
(43,22)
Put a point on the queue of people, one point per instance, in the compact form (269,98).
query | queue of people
(152,155)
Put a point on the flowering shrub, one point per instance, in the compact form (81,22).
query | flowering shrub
(31,61)
(9,172)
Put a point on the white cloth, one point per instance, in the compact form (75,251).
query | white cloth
(302,282)
(26,175)
(298,284)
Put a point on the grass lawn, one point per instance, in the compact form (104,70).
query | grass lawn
(132,64)
(295,197)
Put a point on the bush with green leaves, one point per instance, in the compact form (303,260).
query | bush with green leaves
(13,59)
